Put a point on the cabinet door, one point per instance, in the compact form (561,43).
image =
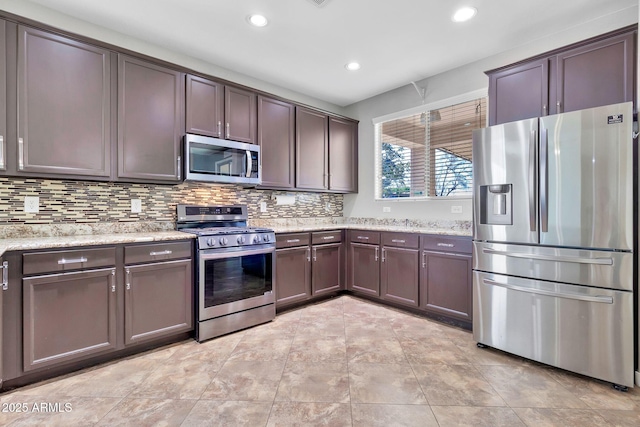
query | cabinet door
(312,140)
(158,300)
(276,122)
(445,284)
(68,317)
(343,155)
(64,106)
(205,103)
(293,275)
(597,74)
(3,102)
(364,268)
(520,92)
(326,269)
(240,115)
(400,275)
(149,121)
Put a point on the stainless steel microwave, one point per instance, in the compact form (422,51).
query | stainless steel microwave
(218,160)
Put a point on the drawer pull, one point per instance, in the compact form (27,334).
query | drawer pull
(362,237)
(160,253)
(72,261)
(328,237)
(293,240)
(446,245)
(398,241)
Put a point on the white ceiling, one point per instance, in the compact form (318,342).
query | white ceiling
(305,47)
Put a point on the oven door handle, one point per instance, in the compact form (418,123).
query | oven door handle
(203,256)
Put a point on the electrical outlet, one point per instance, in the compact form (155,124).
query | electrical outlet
(327,207)
(136,205)
(263,206)
(386,209)
(457,209)
(32,204)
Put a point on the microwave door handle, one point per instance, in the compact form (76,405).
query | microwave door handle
(249,165)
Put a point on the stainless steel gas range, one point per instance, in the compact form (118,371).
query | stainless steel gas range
(235,269)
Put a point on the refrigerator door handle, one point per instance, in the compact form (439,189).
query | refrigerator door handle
(589,298)
(544,181)
(577,260)
(532,180)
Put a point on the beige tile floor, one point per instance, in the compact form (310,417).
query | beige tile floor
(342,362)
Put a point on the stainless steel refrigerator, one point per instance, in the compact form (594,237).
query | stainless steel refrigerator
(553,262)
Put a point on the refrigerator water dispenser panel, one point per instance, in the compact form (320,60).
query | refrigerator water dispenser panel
(496,204)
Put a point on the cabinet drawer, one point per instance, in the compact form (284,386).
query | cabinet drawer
(156,252)
(362,236)
(290,240)
(401,240)
(432,242)
(320,237)
(50,262)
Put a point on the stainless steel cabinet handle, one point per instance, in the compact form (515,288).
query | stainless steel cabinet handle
(20,153)
(2,156)
(228,131)
(128,279)
(293,240)
(328,237)
(383,253)
(532,179)
(179,161)
(424,259)
(167,252)
(72,261)
(249,165)
(559,105)
(5,275)
(324,180)
(113,280)
(309,254)
(376,253)
(363,237)
(544,110)
(544,181)
(577,260)
(398,241)
(315,253)
(446,245)
(589,298)
(219,128)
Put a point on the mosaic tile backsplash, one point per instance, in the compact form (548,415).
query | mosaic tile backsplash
(94,202)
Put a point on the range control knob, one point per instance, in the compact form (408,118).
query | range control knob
(256,239)
(223,241)
(241,240)
(266,238)
(211,241)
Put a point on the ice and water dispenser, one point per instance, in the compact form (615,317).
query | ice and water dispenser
(495,204)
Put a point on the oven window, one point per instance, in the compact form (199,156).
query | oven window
(234,279)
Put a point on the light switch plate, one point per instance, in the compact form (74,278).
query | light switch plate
(32,204)
(136,205)
(457,209)
(263,206)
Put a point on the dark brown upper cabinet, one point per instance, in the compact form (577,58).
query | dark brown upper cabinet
(213,109)
(596,72)
(205,107)
(64,92)
(150,124)
(276,124)
(3,100)
(326,152)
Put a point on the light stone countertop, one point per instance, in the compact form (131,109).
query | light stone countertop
(404,229)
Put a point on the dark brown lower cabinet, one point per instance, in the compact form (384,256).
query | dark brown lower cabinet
(68,316)
(364,268)
(446,284)
(293,275)
(326,268)
(400,275)
(158,300)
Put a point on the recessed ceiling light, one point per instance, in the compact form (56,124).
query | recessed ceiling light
(352,66)
(464,14)
(257,20)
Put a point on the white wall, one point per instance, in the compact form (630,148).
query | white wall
(449,84)
(55,19)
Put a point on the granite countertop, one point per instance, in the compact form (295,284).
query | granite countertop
(405,229)
(68,235)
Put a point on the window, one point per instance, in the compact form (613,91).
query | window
(428,153)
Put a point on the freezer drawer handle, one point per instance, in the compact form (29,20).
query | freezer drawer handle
(598,299)
(599,261)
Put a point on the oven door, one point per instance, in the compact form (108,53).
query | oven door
(233,281)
